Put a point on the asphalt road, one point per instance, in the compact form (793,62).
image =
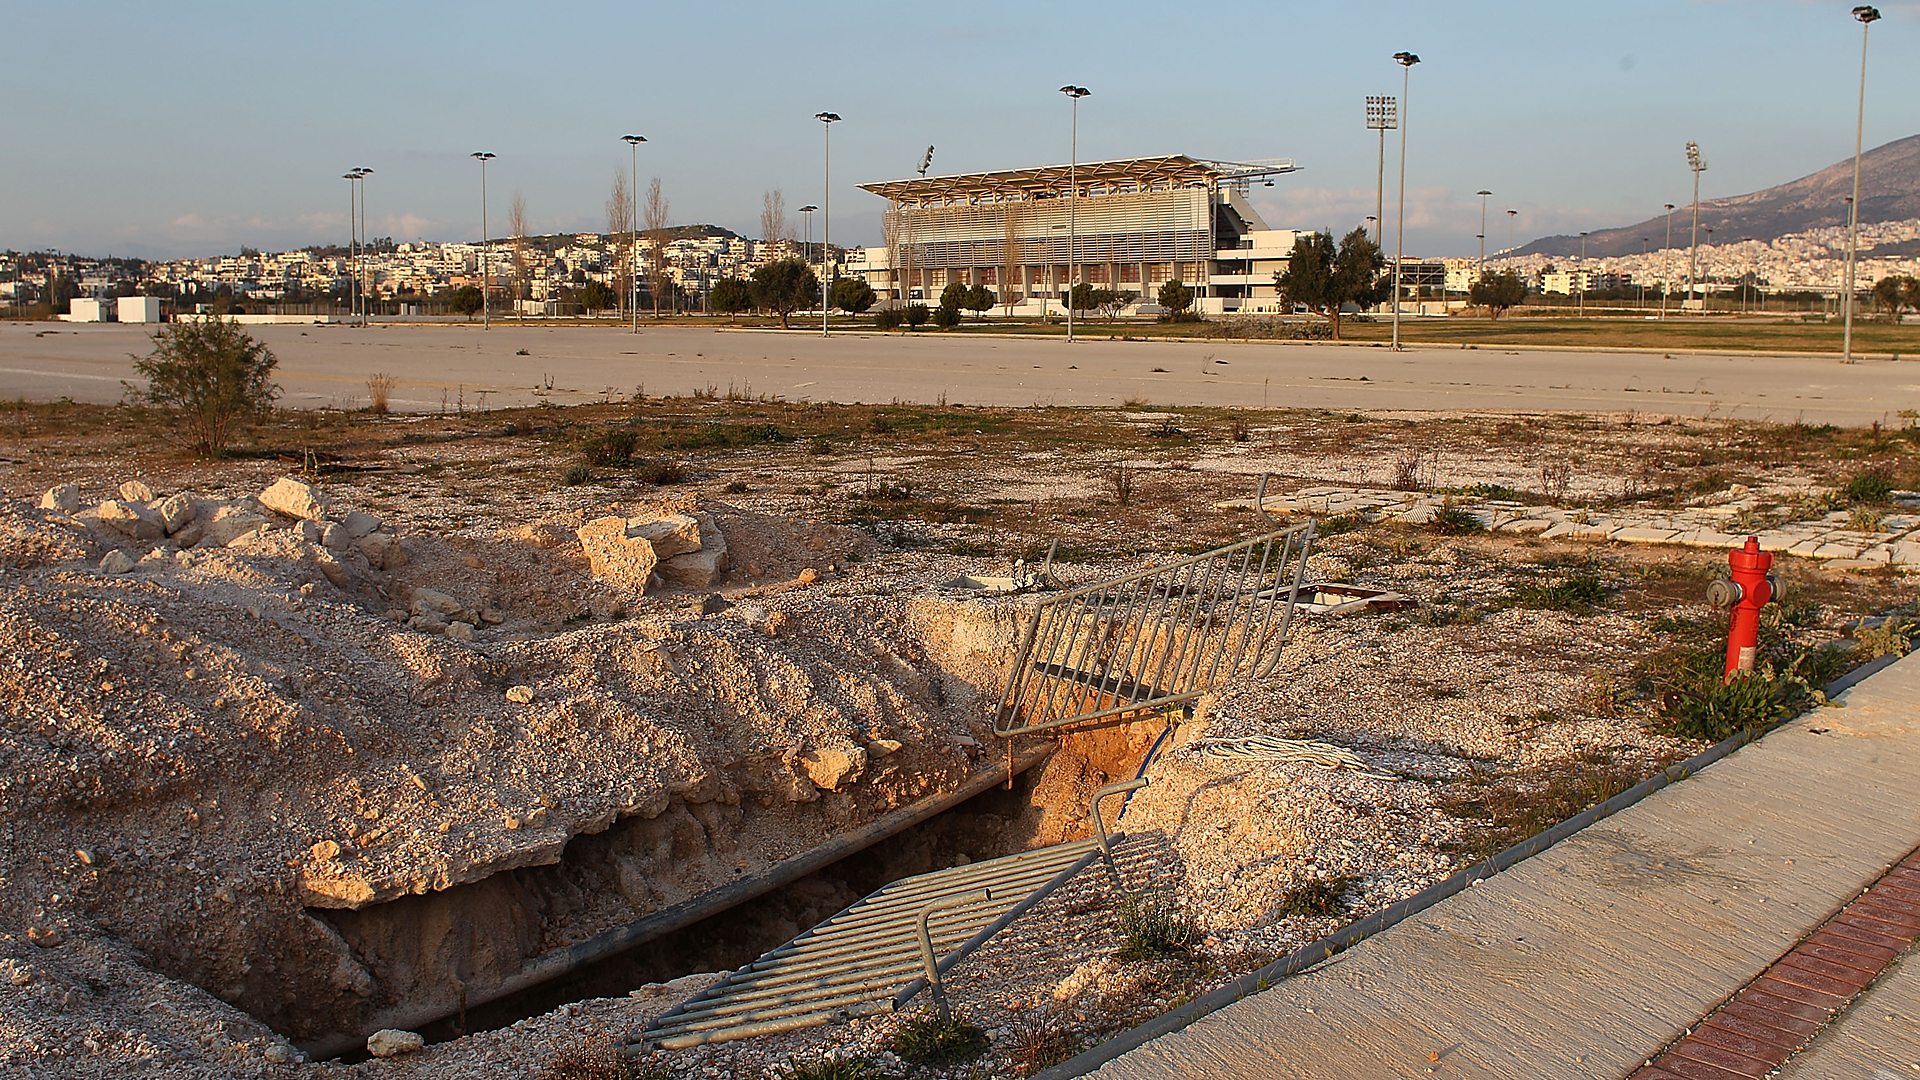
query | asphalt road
(440,366)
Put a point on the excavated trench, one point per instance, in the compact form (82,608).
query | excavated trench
(431,949)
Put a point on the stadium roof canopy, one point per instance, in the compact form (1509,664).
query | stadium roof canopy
(1051,181)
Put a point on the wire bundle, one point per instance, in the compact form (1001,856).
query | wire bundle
(1299,751)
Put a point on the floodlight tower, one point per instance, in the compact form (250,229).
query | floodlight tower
(1867,14)
(366,259)
(1406,60)
(1075,93)
(827,120)
(352,177)
(809,211)
(486,245)
(1699,165)
(633,228)
(1483,193)
(1666,280)
(1382,116)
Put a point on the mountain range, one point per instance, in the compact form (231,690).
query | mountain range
(1889,191)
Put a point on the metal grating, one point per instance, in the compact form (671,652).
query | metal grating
(868,959)
(1158,637)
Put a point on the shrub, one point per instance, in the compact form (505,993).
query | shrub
(888,318)
(1455,521)
(1869,487)
(831,1067)
(1041,1041)
(933,1043)
(660,473)
(1155,925)
(379,390)
(946,318)
(916,315)
(1317,896)
(577,474)
(595,1059)
(614,446)
(212,378)
(1578,593)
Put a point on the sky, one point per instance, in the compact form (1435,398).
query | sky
(194,127)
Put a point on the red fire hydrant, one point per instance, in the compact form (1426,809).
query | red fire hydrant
(1751,589)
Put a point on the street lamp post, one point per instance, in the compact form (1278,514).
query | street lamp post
(1483,193)
(366,259)
(486,281)
(808,210)
(1075,93)
(352,177)
(1643,281)
(1382,116)
(827,120)
(633,228)
(1582,307)
(1699,165)
(1406,60)
(1666,279)
(1512,216)
(1867,14)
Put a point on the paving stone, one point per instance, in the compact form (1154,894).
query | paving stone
(1523,525)
(1834,550)
(1641,535)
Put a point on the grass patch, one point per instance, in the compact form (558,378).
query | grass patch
(933,1043)
(1872,486)
(1513,806)
(1041,1041)
(831,1067)
(723,435)
(577,474)
(1456,521)
(1316,897)
(1578,593)
(1154,926)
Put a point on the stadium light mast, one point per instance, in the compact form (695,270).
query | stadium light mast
(486,317)
(1512,219)
(1867,14)
(827,120)
(1406,60)
(633,228)
(366,258)
(809,211)
(1484,194)
(1699,165)
(352,177)
(1073,201)
(1666,279)
(1382,116)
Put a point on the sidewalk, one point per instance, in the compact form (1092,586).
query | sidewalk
(1590,958)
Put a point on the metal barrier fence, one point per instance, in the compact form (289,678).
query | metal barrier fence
(1157,637)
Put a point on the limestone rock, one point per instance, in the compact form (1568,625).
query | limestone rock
(834,767)
(230,522)
(295,498)
(460,631)
(334,537)
(383,550)
(359,523)
(615,556)
(520,695)
(130,519)
(436,602)
(282,1054)
(670,535)
(62,497)
(392,1042)
(703,568)
(136,491)
(116,562)
(175,511)
(189,534)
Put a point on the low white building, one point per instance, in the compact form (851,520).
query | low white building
(89,311)
(138,309)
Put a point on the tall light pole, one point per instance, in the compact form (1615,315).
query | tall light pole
(827,120)
(808,210)
(366,259)
(1073,200)
(1483,193)
(1866,14)
(1512,217)
(633,228)
(1666,279)
(1699,165)
(352,176)
(1382,116)
(1406,60)
(486,279)
(1643,281)
(1583,276)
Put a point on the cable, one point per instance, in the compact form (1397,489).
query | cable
(1301,751)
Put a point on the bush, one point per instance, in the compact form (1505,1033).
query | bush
(576,475)
(1869,487)
(946,318)
(593,1059)
(1705,707)
(916,315)
(1319,896)
(210,376)
(1578,593)
(660,473)
(831,1067)
(933,1043)
(379,390)
(1455,521)
(614,446)
(888,318)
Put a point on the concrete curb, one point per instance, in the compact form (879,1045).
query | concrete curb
(1353,933)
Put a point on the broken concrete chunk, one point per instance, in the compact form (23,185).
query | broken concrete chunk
(392,1042)
(614,556)
(334,537)
(359,523)
(460,631)
(230,522)
(62,497)
(834,767)
(520,695)
(433,600)
(670,535)
(295,498)
(130,519)
(383,550)
(175,511)
(703,568)
(116,562)
(136,491)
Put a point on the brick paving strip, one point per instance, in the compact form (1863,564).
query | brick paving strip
(1776,1015)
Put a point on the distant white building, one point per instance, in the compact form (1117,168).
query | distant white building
(89,311)
(138,309)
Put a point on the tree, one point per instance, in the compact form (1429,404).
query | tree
(853,295)
(1324,278)
(773,217)
(916,316)
(784,286)
(1497,291)
(211,376)
(1913,293)
(464,300)
(954,295)
(619,241)
(945,317)
(656,215)
(1110,301)
(730,296)
(979,300)
(1894,292)
(517,263)
(1176,298)
(596,296)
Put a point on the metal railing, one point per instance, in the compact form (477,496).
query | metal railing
(1158,637)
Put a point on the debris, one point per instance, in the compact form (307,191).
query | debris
(391,1042)
(295,498)
(116,562)
(520,695)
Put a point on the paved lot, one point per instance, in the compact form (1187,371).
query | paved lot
(1590,957)
(328,365)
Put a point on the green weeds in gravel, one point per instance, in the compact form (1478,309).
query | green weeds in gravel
(933,1043)
(1316,897)
(1155,925)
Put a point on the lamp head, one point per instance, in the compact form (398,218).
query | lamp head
(826,117)
(1075,92)
(633,140)
(1669,206)
(808,209)
(481,156)
(1406,59)
(1866,13)
(1483,193)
